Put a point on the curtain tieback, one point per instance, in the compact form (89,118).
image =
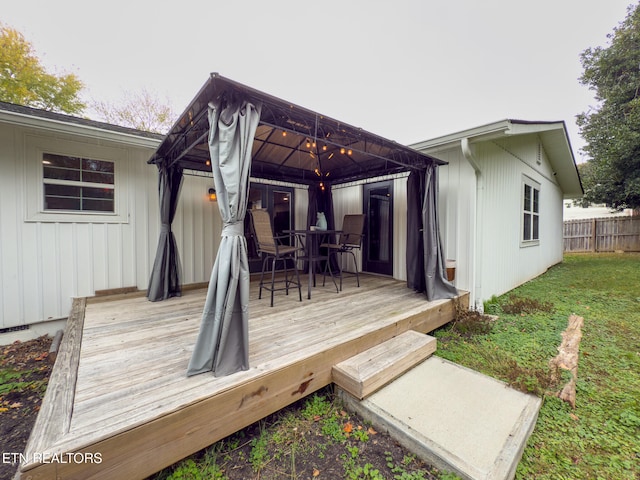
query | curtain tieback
(233,229)
(165,228)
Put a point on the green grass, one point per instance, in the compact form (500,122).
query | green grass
(600,438)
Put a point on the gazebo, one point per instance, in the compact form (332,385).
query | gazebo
(238,132)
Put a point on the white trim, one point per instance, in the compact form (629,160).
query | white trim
(70,128)
(382,178)
(535,186)
(36,146)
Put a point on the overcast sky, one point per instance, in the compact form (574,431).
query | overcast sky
(408,70)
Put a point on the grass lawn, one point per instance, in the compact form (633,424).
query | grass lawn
(600,438)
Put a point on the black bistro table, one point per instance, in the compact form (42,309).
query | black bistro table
(311,239)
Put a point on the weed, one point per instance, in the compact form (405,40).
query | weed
(12,381)
(448,476)
(516,305)
(188,470)
(316,406)
(354,471)
(332,428)
(469,323)
(361,435)
(492,306)
(259,455)
(400,472)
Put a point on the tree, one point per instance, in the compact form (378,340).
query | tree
(141,110)
(24,81)
(612,129)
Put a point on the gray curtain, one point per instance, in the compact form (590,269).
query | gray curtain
(222,346)
(436,283)
(415,243)
(165,275)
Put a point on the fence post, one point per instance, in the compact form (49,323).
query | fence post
(594,236)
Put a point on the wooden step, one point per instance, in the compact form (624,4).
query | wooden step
(370,370)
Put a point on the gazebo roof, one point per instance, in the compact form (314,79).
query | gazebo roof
(291,143)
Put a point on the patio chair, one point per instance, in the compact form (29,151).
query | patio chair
(349,239)
(272,248)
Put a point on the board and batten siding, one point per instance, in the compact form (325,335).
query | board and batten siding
(457,214)
(48,259)
(348,199)
(481,214)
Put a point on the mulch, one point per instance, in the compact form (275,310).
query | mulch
(24,366)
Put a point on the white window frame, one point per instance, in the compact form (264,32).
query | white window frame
(528,212)
(78,183)
(37,146)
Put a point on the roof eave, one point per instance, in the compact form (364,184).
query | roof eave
(560,156)
(61,123)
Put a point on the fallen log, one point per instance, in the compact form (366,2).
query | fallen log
(55,346)
(567,358)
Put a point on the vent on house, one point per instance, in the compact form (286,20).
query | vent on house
(14,329)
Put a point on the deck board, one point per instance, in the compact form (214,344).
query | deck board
(131,373)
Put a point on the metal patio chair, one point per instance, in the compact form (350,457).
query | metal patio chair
(272,248)
(349,239)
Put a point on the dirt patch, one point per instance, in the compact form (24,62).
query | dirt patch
(312,438)
(24,372)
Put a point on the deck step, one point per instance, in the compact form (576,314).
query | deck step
(370,370)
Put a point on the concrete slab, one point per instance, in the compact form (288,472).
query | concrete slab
(457,419)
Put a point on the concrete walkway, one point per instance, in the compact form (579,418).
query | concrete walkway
(455,418)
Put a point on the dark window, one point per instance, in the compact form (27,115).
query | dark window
(78,184)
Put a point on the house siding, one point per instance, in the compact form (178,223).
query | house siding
(348,199)
(457,214)
(481,214)
(46,260)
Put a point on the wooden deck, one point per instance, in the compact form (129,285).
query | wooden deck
(119,403)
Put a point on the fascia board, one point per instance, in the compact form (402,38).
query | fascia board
(58,126)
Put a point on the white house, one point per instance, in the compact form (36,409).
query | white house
(56,245)
(79,215)
(79,211)
(501,199)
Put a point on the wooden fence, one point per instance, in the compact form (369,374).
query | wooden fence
(602,235)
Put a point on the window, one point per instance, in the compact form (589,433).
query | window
(78,184)
(531,213)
